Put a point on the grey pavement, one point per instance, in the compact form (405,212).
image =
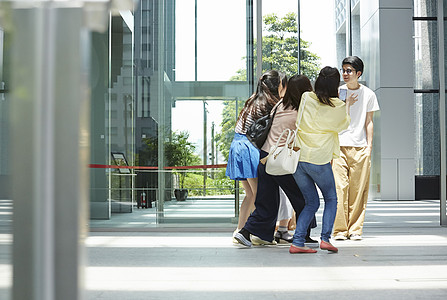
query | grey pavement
(403,255)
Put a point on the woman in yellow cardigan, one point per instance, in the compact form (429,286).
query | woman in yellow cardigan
(324,115)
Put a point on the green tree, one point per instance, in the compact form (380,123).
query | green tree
(280,47)
(225,136)
(178,152)
(279,52)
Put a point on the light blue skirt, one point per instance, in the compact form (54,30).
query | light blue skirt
(243,159)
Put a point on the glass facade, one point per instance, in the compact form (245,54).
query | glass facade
(426,85)
(430,109)
(176,74)
(168,82)
(347,26)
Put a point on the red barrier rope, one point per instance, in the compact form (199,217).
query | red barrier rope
(98,166)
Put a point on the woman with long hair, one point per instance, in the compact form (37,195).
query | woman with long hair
(243,158)
(260,226)
(324,115)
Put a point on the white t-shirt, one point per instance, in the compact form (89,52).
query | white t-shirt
(355,135)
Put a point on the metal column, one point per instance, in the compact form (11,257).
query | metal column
(50,102)
(298,22)
(348,28)
(442,106)
(162,131)
(50,151)
(258,40)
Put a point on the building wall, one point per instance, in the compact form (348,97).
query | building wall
(393,153)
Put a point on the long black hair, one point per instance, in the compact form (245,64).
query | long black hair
(297,85)
(326,85)
(265,97)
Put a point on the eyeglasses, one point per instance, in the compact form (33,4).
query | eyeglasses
(347,71)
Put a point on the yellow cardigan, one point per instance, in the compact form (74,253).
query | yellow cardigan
(317,134)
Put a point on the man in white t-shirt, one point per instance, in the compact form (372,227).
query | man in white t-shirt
(352,168)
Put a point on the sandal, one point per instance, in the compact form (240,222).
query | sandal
(283,235)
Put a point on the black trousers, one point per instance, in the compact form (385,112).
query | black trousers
(262,221)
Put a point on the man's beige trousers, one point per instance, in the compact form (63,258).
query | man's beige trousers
(351,172)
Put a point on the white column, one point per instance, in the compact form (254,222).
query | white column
(382,22)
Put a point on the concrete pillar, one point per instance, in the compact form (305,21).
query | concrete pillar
(50,144)
(386,31)
(50,139)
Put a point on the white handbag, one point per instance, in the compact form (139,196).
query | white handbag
(284,160)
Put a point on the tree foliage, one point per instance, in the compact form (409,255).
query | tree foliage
(178,152)
(229,115)
(279,52)
(280,47)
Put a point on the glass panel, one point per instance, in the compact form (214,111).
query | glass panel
(445,48)
(427,146)
(426,55)
(221,39)
(112,120)
(99,203)
(355,31)
(120,126)
(4,118)
(5,194)
(175,105)
(280,46)
(354,3)
(340,13)
(425,8)
(217,35)
(443,206)
(180,116)
(279,42)
(185,40)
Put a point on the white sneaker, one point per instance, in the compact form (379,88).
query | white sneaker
(242,240)
(355,237)
(234,233)
(257,241)
(340,237)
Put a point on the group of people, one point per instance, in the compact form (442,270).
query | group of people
(334,131)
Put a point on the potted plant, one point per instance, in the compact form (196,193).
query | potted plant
(180,153)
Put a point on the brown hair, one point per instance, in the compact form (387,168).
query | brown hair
(297,85)
(265,97)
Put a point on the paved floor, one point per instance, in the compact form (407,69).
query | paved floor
(195,212)
(403,256)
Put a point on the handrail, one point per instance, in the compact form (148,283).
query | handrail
(101,166)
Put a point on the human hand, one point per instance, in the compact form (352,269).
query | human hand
(353,98)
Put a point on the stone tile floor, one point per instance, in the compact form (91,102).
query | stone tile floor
(403,255)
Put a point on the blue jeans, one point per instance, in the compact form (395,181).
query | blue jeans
(306,176)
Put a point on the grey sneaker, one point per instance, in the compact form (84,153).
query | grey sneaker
(258,241)
(355,237)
